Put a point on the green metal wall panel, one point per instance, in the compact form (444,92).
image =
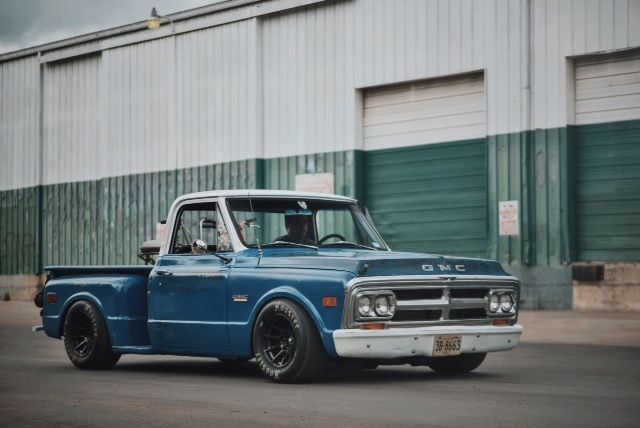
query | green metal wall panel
(508,158)
(550,195)
(534,168)
(105,221)
(438,198)
(19,220)
(280,173)
(608,191)
(430,198)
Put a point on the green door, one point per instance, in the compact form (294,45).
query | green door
(608,191)
(430,198)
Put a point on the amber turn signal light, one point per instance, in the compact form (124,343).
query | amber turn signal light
(373,326)
(329,301)
(500,322)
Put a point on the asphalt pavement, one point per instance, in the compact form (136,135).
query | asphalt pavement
(571,369)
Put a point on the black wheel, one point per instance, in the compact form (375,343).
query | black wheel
(86,338)
(331,235)
(463,363)
(286,343)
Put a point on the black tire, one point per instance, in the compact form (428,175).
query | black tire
(286,343)
(459,364)
(86,338)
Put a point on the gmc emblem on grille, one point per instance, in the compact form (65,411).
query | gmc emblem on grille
(443,268)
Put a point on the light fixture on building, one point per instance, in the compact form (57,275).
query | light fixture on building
(154,20)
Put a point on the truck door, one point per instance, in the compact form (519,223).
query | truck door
(187,291)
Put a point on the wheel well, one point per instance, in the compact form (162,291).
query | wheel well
(63,316)
(253,325)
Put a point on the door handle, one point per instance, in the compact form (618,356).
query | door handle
(161,272)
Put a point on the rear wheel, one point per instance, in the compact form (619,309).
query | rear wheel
(463,363)
(86,338)
(286,343)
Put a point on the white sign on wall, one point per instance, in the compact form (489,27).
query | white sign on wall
(316,183)
(508,211)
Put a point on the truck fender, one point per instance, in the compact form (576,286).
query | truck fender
(83,295)
(286,292)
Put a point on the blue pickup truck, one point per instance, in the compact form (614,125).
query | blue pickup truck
(299,281)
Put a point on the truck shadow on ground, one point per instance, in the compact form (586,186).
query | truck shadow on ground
(249,370)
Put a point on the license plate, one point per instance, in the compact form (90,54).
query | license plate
(444,346)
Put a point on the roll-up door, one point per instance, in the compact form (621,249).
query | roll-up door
(607,111)
(425,165)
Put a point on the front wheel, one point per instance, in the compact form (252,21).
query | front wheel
(86,338)
(463,363)
(286,343)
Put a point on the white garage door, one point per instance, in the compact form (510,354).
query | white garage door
(607,88)
(426,112)
(608,157)
(425,196)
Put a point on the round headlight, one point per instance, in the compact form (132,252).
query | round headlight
(506,302)
(494,303)
(382,306)
(364,305)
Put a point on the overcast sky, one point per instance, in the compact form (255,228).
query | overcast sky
(25,23)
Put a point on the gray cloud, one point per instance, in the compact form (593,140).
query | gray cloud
(25,23)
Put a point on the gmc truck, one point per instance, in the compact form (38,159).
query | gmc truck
(301,282)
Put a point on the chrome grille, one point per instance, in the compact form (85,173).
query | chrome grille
(432,301)
(439,304)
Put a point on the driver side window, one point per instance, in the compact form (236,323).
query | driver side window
(200,221)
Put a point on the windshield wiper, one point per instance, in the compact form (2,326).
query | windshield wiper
(348,244)
(286,244)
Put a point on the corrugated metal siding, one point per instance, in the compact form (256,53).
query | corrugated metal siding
(607,88)
(19,123)
(315,59)
(534,168)
(71,113)
(552,196)
(280,173)
(138,109)
(105,221)
(204,97)
(165,104)
(561,29)
(19,219)
(217,95)
(608,191)
(424,112)
(430,198)
(508,161)
(346,166)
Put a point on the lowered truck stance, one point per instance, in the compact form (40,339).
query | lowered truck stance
(298,281)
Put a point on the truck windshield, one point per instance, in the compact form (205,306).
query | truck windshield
(296,222)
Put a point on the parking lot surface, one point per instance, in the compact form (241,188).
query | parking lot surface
(572,369)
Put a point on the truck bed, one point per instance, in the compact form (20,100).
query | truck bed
(119,293)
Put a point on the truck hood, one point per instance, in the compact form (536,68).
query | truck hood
(378,263)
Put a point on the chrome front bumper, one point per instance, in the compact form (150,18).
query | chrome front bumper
(418,341)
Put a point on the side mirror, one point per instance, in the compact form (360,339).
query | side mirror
(199,247)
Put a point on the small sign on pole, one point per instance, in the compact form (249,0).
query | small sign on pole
(508,212)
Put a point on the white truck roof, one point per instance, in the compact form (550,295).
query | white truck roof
(260,193)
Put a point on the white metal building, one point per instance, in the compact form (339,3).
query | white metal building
(431,112)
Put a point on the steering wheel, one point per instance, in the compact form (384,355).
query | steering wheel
(331,235)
